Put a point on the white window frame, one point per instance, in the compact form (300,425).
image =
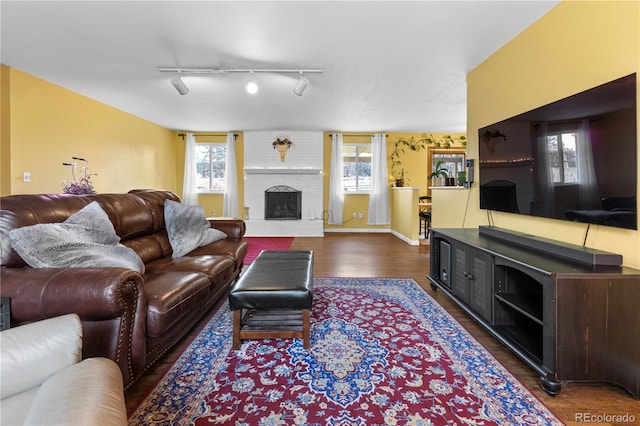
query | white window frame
(208,190)
(358,146)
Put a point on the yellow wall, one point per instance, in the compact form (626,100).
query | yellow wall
(449,206)
(5,126)
(404,213)
(576,46)
(47,125)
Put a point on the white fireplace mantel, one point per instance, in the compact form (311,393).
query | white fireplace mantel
(282,171)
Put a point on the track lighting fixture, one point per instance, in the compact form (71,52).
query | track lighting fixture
(179,85)
(302,85)
(251,86)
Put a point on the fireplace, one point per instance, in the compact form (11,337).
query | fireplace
(282,203)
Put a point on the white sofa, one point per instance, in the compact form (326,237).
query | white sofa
(44,382)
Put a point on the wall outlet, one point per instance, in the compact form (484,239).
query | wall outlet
(26,176)
(353,216)
(361,215)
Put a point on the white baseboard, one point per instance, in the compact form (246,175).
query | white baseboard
(374,230)
(312,228)
(405,239)
(359,230)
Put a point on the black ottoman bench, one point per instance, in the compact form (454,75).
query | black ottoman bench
(273,297)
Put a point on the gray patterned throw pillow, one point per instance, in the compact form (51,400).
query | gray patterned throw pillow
(188,228)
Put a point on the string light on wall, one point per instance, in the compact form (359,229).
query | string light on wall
(301,85)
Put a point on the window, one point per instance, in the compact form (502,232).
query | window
(357,167)
(561,153)
(210,166)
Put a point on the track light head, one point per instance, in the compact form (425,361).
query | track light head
(179,85)
(302,85)
(252,86)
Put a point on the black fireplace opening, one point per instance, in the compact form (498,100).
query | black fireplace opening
(282,203)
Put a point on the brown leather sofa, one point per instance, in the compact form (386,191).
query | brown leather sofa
(127,316)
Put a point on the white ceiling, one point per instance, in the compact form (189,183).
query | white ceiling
(388,65)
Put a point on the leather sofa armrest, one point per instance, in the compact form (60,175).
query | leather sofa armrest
(92,293)
(110,302)
(234,228)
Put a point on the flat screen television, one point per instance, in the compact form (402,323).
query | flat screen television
(574,159)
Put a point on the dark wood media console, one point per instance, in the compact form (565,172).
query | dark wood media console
(571,313)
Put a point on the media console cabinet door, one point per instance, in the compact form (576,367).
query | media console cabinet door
(480,285)
(598,322)
(472,278)
(460,285)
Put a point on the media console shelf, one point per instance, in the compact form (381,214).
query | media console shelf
(570,312)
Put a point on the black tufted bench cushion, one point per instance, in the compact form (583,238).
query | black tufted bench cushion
(273,297)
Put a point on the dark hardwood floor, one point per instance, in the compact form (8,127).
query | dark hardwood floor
(383,255)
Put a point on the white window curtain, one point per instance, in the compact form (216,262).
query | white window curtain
(588,195)
(230,202)
(379,196)
(190,183)
(336,184)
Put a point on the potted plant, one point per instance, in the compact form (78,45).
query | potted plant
(398,177)
(462,178)
(438,172)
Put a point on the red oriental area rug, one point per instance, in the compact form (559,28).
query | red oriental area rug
(383,352)
(257,244)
